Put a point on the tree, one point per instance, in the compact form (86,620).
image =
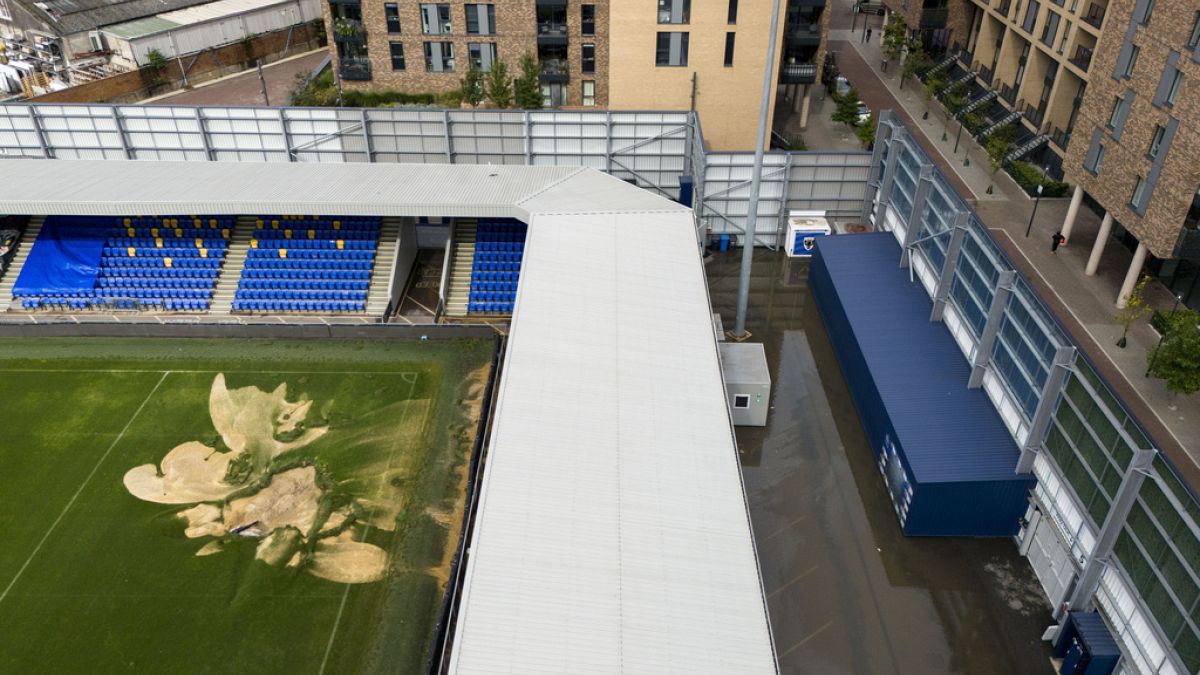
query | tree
(529,86)
(933,85)
(499,88)
(156,60)
(866,132)
(1176,360)
(997,149)
(1135,309)
(916,62)
(956,98)
(895,37)
(472,85)
(847,108)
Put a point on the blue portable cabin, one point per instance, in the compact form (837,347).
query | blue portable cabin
(1086,646)
(945,455)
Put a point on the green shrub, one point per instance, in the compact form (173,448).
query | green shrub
(322,92)
(1029,176)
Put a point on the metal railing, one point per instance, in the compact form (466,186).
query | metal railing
(798,73)
(1095,15)
(356,68)
(1082,57)
(552,29)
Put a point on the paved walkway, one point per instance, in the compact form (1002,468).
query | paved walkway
(244,88)
(1084,304)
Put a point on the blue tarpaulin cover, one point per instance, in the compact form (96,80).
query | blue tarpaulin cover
(64,259)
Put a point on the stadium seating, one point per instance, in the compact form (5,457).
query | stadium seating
(149,263)
(308,264)
(499,248)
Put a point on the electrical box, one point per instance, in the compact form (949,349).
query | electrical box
(803,230)
(747,382)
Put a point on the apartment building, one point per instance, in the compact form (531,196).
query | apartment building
(415,46)
(1136,142)
(711,57)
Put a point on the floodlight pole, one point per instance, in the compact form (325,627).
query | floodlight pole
(739,330)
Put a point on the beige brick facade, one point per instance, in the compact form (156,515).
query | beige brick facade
(1127,159)
(726,97)
(515,35)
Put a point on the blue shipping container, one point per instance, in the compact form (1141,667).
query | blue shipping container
(945,456)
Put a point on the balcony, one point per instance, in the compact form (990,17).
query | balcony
(551,25)
(1095,15)
(1189,244)
(934,18)
(802,34)
(349,31)
(1059,138)
(555,70)
(354,68)
(1009,94)
(1003,7)
(798,73)
(1082,58)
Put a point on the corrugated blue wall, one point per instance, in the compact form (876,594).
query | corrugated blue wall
(964,483)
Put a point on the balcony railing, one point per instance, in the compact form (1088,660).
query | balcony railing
(555,70)
(1082,58)
(552,29)
(1189,244)
(1059,138)
(798,73)
(934,18)
(1095,14)
(354,68)
(1008,94)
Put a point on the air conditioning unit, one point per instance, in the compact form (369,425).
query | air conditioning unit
(97,40)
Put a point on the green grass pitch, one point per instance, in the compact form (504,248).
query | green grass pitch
(94,579)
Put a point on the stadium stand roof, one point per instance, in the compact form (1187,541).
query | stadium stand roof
(75,16)
(612,534)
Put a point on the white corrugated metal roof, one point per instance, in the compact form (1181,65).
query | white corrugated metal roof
(612,534)
(216,10)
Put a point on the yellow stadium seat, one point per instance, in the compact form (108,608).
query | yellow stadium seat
(275,224)
(337,224)
(203,253)
(178,232)
(127,222)
(154,232)
(132,252)
(158,242)
(341,244)
(312,234)
(287,234)
(258,223)
(167,262)
(225,233)
(253,243)
(212,222)
(132,232)
(199,242)
(283,253)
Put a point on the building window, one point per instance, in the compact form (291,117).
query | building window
(1115,115)
(439,57)
(481,19)
(1194,40)
(729,37)
(674,11)
(1031,15)
(4,13)
(732,11)
(483,55)
(1156,140)
(589,93)
(1062,45)
(392,13)
(1134,50)
(435,20)
(587,19)
(588,58)
(397,49)
(1139,192)
(741,401)
(672,49)
(1176,81)
(1095,167)
(1149,11)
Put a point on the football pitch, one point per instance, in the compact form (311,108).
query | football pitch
(231,505)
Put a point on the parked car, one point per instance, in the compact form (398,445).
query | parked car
(864,115)
(841,86)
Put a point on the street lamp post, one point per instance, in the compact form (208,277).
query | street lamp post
(1036,200)
(1161,337)
(956,137)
